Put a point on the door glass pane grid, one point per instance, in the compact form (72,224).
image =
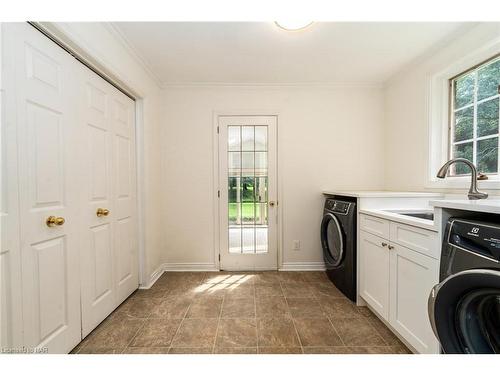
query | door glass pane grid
(247,189)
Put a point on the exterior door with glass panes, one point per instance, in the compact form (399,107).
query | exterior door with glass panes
(248,192)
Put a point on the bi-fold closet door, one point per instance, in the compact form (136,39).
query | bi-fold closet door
(108,256)
(75,152)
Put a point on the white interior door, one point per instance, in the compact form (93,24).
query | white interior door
(248,192)
(48,188)
(109,257)
(124,195)
(97,273)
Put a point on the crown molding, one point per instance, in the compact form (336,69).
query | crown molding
(115,31)
(268,85)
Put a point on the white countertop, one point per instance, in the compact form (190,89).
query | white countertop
(394,216)
(489,205)
(382,194)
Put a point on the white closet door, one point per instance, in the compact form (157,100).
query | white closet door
(97,273)
(109,255)
(48,186)
(124,214)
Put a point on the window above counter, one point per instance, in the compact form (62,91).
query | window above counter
(464,118)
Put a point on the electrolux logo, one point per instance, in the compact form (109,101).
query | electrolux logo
(474,231)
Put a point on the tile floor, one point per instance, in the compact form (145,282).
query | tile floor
(230,312)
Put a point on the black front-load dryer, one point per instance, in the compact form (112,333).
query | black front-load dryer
(338,239)
(464,308)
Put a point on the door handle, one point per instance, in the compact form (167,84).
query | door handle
(391,247)
(384,244)
(102,212)
(53,221)
(271,203)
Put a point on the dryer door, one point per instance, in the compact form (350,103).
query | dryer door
(332,240)
(465,312)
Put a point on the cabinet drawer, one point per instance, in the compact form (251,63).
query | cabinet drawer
(374,225)
(418,239)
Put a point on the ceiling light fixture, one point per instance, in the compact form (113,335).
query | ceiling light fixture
(293,25)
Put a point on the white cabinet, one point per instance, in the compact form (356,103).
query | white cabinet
(395,280)
(412,277)
(374,270)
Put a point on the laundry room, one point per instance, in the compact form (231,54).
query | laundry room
(250,186)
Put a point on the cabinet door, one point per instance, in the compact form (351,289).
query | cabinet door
(412,277)
(47,133)
(374,272)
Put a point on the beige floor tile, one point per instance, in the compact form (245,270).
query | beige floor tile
(389,337)
(240,291)
(136,307)
(207,350)
(196,333)
(280,350)
(353,350)
(357,332)
(317,332)
(237,333)
(171,308)
(291,276)
(153,292)
(315,276)
(339,308)
(100,351)
(238,308)
(206,307)
(297,289)
(180,288)
(270,306)
(326,289)
(156,333)
(268,289)
(235,351)
(239,313)
(146,350)
(277,332)
(267,278)
(305,307)
(114,335)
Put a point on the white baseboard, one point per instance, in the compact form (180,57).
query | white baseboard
(211,267)
(303,266)
(154,277)
(193,267)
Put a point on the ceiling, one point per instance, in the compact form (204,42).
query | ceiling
(261,53)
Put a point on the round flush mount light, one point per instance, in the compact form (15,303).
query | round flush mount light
(293,25)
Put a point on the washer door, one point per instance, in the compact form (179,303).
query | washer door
(331,240)
(465,312)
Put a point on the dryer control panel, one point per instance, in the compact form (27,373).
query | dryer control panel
(337,206)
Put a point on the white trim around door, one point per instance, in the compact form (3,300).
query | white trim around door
(246,215)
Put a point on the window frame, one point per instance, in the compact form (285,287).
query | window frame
(438,112)
(475,104)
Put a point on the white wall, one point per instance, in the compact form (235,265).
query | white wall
(406,110)
(98,41)
(328,138)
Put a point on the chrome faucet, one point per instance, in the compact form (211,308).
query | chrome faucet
(473,192)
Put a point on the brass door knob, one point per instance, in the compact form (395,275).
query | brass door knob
(271,203)
(102,212)
(53,221)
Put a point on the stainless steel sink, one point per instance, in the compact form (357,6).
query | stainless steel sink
(420,215)
(426,215)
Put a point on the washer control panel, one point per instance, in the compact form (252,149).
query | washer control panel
(337,206)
